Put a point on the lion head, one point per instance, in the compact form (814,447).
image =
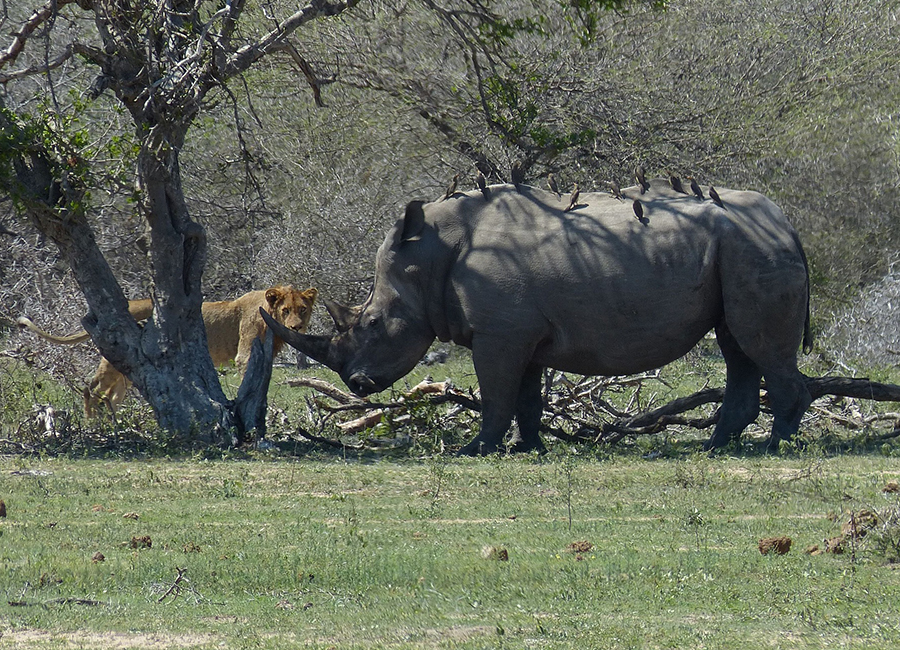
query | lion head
(290,307)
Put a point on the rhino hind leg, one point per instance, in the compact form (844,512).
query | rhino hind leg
(789,398)
(529,408)
(740,406)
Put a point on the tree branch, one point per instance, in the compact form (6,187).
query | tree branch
(274,40)
(61,58)
(313,81)
(20,38)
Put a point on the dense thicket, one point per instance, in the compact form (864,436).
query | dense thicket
(795,99)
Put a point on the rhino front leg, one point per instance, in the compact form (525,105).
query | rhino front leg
(500,369)
(529,409)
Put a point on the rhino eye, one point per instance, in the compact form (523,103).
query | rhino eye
(372,322)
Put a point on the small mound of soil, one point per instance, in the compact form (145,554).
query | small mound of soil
(780,545)
(142,541)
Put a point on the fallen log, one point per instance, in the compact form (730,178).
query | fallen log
(850,387)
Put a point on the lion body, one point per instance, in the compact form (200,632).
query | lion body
(231,327)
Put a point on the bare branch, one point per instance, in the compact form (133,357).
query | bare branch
(588,429)
(313,81)
(20,38)
(274,40)
(61,58)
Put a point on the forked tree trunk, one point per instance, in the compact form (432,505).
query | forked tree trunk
(167,358)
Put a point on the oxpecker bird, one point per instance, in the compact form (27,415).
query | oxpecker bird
(715,197)
(676,184)
(574,201)
(695,188)
(614,189)
(638,210)
(452,189)
(516,174)
(480,182)
(641,178)
(551,183)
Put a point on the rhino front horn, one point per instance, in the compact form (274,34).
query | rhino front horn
(318,347)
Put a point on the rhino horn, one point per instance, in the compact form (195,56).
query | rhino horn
(319,347)
(343,316)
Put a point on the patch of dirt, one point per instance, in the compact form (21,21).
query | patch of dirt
(191,547)
(101,640)
(495,553)
(579,547)
(459,633)
(891,487)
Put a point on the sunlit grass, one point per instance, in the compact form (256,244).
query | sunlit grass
(328,553)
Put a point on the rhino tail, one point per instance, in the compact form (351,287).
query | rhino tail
(807,330)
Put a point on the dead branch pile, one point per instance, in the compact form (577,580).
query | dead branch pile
(582,411)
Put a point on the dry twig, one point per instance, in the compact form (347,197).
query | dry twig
(579,405)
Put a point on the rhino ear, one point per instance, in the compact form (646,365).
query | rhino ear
(413,222)
(343,316)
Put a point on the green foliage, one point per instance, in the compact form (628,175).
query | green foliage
(52,144)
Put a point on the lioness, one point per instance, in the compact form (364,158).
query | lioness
(231,326)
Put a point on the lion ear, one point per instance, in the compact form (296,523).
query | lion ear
(311,294)
(273,295)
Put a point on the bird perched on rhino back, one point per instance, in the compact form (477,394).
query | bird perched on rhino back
(517,174)
(451,189)
(573,203)
(695,188)
(676,184)
(638,210)
(715,197)
(552,184)
(641,177)
(481,183)
(614,189)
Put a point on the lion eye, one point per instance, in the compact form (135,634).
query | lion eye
(285,311)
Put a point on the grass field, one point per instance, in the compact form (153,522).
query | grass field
(328,553)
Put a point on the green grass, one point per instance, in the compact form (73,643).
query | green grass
(325,553)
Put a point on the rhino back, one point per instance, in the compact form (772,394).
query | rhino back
(595,290)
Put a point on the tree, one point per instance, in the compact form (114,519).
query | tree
(163,62)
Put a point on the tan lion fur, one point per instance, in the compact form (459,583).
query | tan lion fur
(231,327)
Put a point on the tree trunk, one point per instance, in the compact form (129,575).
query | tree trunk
(172,368)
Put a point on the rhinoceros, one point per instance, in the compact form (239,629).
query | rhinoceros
(594,290)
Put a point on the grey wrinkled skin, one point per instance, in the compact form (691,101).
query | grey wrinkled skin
(592,291)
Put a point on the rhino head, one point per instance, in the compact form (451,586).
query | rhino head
(381,340)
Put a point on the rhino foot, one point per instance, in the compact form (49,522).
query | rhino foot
(719,441)
(478,448)
(521,446)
